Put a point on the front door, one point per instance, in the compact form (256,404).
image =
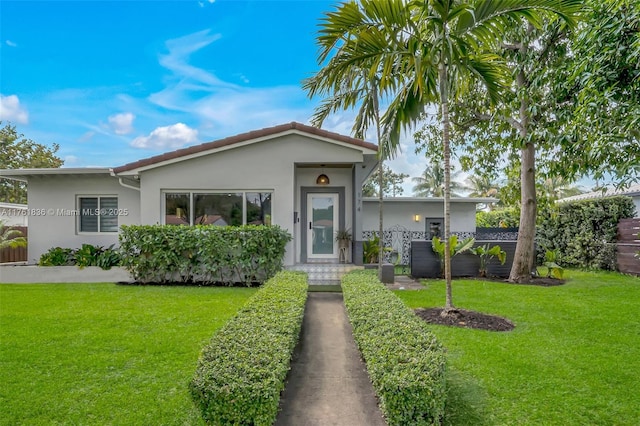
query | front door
(322,215)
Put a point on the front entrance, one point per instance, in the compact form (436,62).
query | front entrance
(322,218)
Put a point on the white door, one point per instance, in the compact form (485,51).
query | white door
(322,216)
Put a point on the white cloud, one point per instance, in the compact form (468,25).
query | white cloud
(172,137)
(10,43)
(70,160)
(11,110)
(122,124)
(220,105)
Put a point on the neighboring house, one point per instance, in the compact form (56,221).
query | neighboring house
(306,180)
(13,214)
(632,191)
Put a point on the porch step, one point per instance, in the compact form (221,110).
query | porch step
(324,273)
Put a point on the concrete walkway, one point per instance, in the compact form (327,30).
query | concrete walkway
(328,383)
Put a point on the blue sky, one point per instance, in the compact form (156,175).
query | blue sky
(113,82)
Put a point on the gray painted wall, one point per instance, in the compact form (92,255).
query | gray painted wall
(397,212)
(264,166)
(54,195)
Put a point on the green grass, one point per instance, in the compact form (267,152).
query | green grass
(573,359)
(105,354)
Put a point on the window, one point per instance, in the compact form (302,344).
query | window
(434,227)
(218,208)
(98,214)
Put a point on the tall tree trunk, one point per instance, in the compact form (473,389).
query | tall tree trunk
(381,156)
(444,99)
(524,256)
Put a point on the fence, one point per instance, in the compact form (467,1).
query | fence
(18,254)
(628,245)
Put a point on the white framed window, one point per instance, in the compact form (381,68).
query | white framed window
(217,207)
(97,213)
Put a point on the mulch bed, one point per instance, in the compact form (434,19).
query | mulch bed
(465,319)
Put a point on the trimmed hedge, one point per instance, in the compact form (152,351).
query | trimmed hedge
(205,253)
(242,371)
(584,232)
(405,362)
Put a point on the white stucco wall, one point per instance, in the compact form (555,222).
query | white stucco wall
(264,166)
(402,212)
(50,198)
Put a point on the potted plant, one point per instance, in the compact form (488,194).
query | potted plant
(343,237)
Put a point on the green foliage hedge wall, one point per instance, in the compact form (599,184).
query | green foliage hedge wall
(205,253)
(584,232)
(242,371)
(504,218)
(405,361)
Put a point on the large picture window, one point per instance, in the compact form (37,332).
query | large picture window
(98,214)
(218,208)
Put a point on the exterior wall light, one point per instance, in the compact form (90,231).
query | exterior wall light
(322,180)
(416,218)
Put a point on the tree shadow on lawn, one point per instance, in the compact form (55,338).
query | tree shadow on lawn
(465,401)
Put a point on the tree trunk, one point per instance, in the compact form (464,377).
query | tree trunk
(444,99)
(381,212)
(381,156)
(524,256)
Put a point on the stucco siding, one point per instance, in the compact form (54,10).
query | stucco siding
(463,215)
(52,201)
(264,166)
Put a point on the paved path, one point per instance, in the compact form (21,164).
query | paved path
(328,383)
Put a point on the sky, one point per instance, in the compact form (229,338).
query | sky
(114,82)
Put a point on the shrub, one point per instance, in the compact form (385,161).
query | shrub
(242,371)
(203,253)
(87,255)
(504,218)
(57,256)
(584,232)
(405,362)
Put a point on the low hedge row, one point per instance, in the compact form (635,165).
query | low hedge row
(405,362)
(204,254)
(241,372)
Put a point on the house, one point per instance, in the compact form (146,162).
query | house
(408,219)
(12,214)
(632,191)
(303,179)
(306,180)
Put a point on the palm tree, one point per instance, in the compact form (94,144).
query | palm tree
(555,188)
(357,86)
(425,52)
(431,183)
(481,187)
(10,237)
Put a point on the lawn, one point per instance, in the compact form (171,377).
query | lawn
(105,354)
(573,359)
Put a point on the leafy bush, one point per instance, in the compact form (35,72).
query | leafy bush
(551,262)
(57,256)
(455,247)
(87,255)
(584,232)
(405,361)
(242,371)
(486,253)
(504,218)
(203,253)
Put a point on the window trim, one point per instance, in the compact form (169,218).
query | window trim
(191,192)
(79,214)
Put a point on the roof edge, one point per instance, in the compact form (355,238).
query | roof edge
(247,137)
